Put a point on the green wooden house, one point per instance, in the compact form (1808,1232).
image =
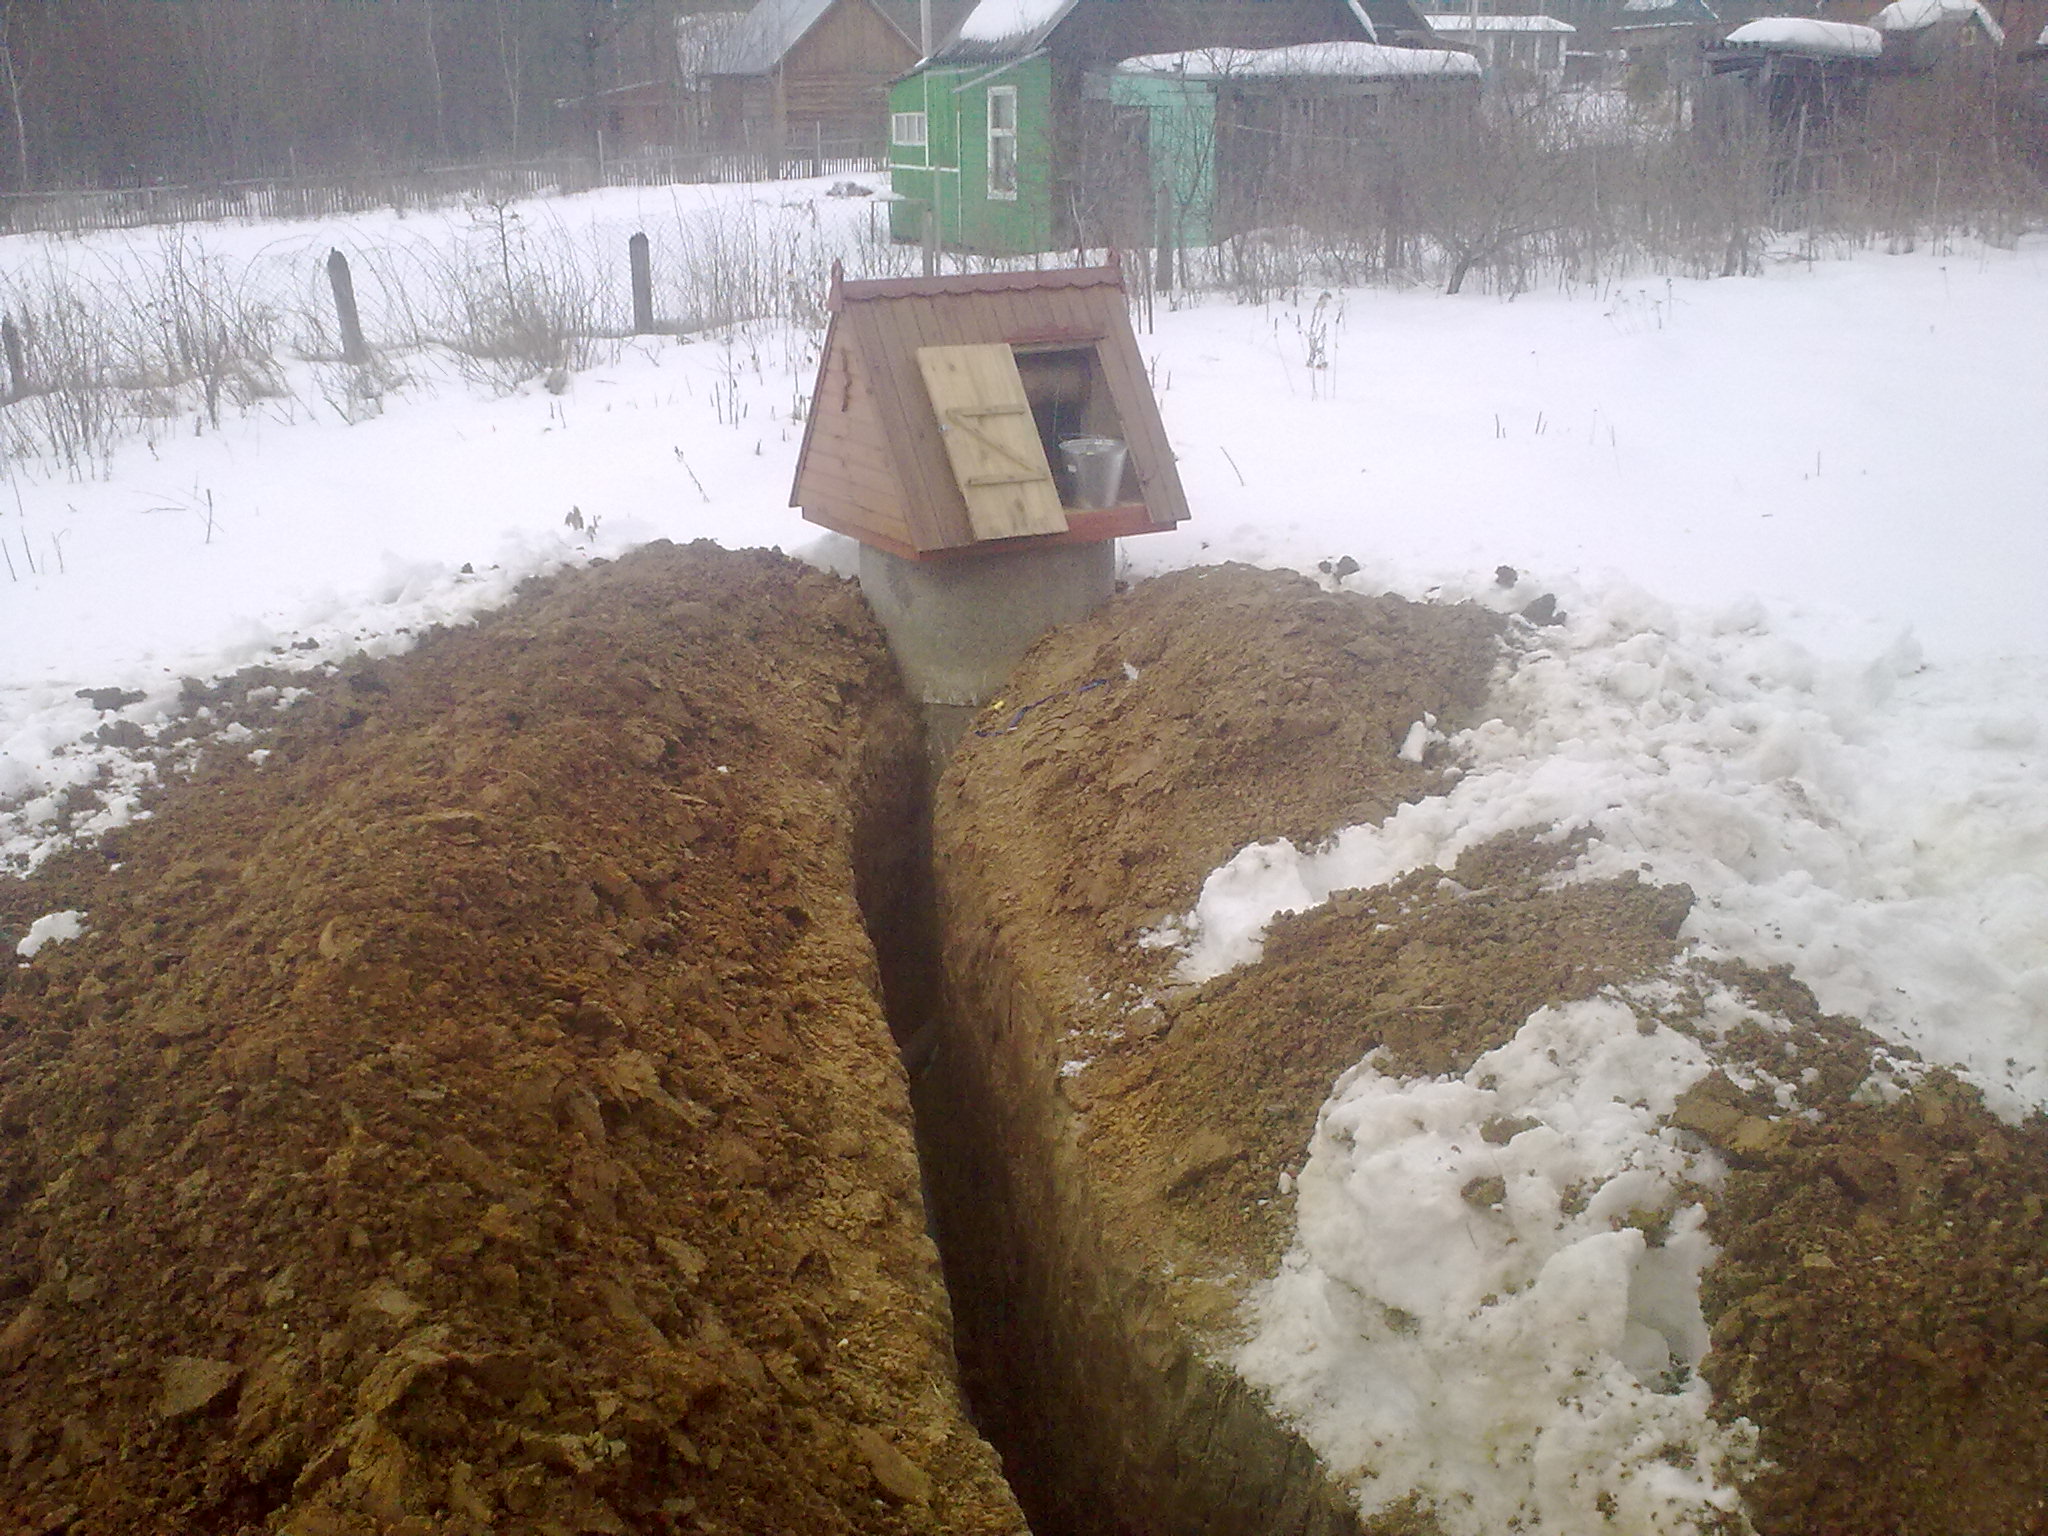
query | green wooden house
(1012,137)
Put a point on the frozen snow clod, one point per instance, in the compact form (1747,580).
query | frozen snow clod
(50,928)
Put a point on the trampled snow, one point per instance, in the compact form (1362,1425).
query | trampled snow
(1521,1359)
(1794,523)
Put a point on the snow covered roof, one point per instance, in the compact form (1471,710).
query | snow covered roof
(1341,61)
(1003,29)
(1689,10)
(1801,34)
(1460,21)
(1914,15)
(996,30)
(767,32)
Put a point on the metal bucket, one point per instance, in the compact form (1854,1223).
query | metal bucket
(1095,470)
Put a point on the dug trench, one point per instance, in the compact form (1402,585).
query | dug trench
(472,1106)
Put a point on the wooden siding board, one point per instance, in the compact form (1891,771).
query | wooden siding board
(868,505)
(847,469)
(902,403)
(921,325)
(1151,454)
(845,474)
(851,443)
(822,409)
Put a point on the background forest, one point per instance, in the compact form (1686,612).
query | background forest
(131,92)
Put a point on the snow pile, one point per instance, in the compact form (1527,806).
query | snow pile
(1801,34)
(1884,831)
(1338,61)
(1914,15)
(50,928)
(1492,1301)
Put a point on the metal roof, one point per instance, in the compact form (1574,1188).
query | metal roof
(765,34)
(998,31)
(857,290)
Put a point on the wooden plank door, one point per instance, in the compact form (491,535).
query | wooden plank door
(991,440)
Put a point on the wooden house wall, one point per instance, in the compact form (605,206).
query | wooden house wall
(2022,21)
(837,76)
(739,111)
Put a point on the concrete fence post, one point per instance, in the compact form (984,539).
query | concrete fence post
(643,284)
(353,350)
(17,358)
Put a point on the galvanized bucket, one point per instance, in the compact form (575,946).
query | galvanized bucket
(1095,470)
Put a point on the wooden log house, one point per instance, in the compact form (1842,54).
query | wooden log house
(802,75)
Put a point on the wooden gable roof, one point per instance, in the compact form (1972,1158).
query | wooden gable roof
(874,463)
(766,34)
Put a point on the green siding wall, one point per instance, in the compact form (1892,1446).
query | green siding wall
(1183,140)
(951,171)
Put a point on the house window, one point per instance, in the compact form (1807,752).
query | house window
(1002,142)
(907,129)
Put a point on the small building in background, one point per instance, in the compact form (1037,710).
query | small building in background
(1226,125)
(1515,51)
(1925,35)
(1659,42)
(1007,136)
(653,114)
(802,76)
(1795,80)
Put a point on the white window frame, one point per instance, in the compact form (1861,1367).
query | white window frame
(1005,93)
(910,130)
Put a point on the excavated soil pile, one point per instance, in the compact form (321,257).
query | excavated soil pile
(480,1115)
(1880,1310)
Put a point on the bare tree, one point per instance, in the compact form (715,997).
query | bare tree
(10,75)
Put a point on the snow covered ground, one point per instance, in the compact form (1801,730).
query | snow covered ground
(1798,525)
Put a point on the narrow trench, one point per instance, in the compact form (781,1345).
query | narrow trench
(896,892)
(1109,1420)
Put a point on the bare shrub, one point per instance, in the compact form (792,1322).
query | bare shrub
(519,305)
(199,324)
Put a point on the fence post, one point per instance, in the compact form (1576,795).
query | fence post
(931,232)
(1163,238)
(17,358)
(643,285)
(353,352)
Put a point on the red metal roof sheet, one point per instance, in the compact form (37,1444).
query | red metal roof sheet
(844,292)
